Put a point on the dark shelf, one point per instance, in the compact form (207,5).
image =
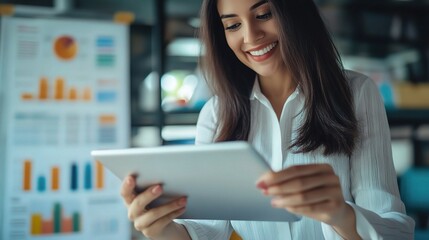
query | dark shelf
(401,7)
(145,119)
(170,118)
(181,118)
(413,117)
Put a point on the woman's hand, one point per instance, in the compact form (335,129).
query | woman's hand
(154,223)
(310,190)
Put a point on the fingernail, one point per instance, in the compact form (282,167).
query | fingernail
(262,185)
(156,190)
(265,191)
(182,202)
(128,181)
(273,203)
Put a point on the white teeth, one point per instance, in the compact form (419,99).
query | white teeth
(264,50)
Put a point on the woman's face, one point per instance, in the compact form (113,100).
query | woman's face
(251,33)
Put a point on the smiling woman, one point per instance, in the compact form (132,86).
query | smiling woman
(279,84)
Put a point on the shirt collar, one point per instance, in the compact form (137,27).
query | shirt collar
(257,93)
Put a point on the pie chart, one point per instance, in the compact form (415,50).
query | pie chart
(65,47)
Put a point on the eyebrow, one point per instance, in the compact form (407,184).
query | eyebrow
(253,7)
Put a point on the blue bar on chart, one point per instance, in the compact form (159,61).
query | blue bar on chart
(88,176)
(41,183)
(105,41)
(105,51)
(74,177)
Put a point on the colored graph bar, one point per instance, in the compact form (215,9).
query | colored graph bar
(105,41)
(59,89)
(27,96)
(26,184)
(100,175)
(57,214)
(74,179)
(76,222)
(67,225)
(57,224)
(41,184)
(36,224)
(55,176)
(43,89)
(72,94)
(88,176)
(87,95)
(106,96)
(107,119)
(47,227)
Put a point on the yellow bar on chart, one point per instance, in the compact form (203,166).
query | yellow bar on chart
(100,175)
(107,119)
(72,94)
(27,96)
(87,94)
(59,89)
(26,184)
(55,178)
(43,88)
(36,224)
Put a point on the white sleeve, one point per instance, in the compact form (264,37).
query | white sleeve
(380,213)
(207,229)
(207,123)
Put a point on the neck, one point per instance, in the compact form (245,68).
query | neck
(277,87)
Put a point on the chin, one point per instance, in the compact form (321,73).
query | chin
(265,72)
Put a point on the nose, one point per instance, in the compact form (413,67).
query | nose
(253,33)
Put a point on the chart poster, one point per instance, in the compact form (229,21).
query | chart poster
(65,93)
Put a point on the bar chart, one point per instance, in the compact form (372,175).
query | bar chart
(58,91)
(93,177)
(57,222)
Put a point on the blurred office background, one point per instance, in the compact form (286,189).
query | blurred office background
(385,39)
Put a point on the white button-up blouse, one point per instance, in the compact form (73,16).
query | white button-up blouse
(368,178)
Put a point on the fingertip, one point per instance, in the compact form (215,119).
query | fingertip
(182,201)
(129,181)
(156,190)
(261,185)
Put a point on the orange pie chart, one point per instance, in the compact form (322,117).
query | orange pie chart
(65,47)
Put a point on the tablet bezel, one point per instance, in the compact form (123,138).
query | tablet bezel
(218,179)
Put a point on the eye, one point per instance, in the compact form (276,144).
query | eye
(265,16)
(233,27)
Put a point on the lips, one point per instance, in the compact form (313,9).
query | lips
(262,54)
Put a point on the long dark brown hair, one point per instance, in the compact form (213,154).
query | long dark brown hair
(314,63)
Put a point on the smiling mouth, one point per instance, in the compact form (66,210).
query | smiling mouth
(263,51)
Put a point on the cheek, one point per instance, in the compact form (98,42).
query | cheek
(234,44)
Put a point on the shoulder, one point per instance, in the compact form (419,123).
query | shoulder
(360,84)
(209,110)
(207,122)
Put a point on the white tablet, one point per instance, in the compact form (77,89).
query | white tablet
(219,179)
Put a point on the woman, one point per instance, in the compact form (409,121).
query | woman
(279,84)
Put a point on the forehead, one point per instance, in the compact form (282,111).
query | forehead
(235,6)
